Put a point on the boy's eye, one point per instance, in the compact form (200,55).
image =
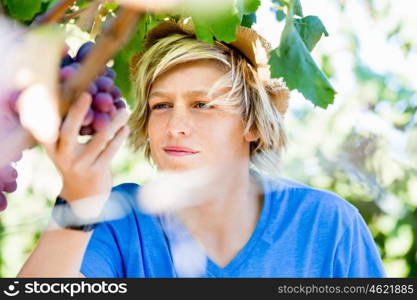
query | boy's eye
(160,106)
(202,105)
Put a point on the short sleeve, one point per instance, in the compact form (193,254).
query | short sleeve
(356,254)
(102,258)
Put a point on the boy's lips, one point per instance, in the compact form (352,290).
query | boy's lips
(179,150)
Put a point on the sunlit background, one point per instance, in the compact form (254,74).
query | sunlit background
(364,147)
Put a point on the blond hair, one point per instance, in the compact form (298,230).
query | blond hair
(257,101)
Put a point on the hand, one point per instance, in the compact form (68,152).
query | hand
(86,168)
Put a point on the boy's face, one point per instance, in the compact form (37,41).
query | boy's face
(179,118)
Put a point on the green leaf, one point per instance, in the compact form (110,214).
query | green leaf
(215,19)
(248,20)
(225,27)
(123,81)
(203,31)
(51,3)
(122,59)
(250,6)
(310,30)
(292,61)
(124,56)
(84,3)
(279,3)
(111,6)
(279,13)
(221,24)
(24,10)
(298,10)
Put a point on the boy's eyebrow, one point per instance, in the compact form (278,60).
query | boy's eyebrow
(192,93)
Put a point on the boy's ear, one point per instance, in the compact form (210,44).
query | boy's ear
(251,136)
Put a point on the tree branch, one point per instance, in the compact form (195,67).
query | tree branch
(56,12)
(73,15)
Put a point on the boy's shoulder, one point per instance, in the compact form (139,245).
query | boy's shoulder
(302,199)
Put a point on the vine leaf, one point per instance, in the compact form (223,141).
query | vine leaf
(292,61)
(248,20)
(220,23)
(298,10)
(310,30)
(250,6)
(249,12)
(23,10)
(123,57)
(218,19)
(279,13)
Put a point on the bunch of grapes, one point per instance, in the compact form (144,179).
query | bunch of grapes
(8,120)
(106,101)
(106,96)
(8,184)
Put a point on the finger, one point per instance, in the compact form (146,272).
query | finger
(73,122)
(50,148)
(107,154)
(96,145)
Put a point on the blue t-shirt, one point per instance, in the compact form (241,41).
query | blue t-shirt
(301,232)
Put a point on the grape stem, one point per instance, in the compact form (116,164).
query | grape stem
(73,15)
(290,14)
(98,22)
(277,7)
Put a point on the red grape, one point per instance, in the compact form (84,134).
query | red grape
(3,202)
(13,97)
(66,72)
(120,104)
(87,130)
(101,121)
(10,187)
(93,89)
(8,174)
(18,156)
(83,51)
(110,73)
(75,65)
(66,60)
(102,102)
(105,84)
(116,93)
(8,184)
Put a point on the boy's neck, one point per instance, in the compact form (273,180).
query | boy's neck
(223,224)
